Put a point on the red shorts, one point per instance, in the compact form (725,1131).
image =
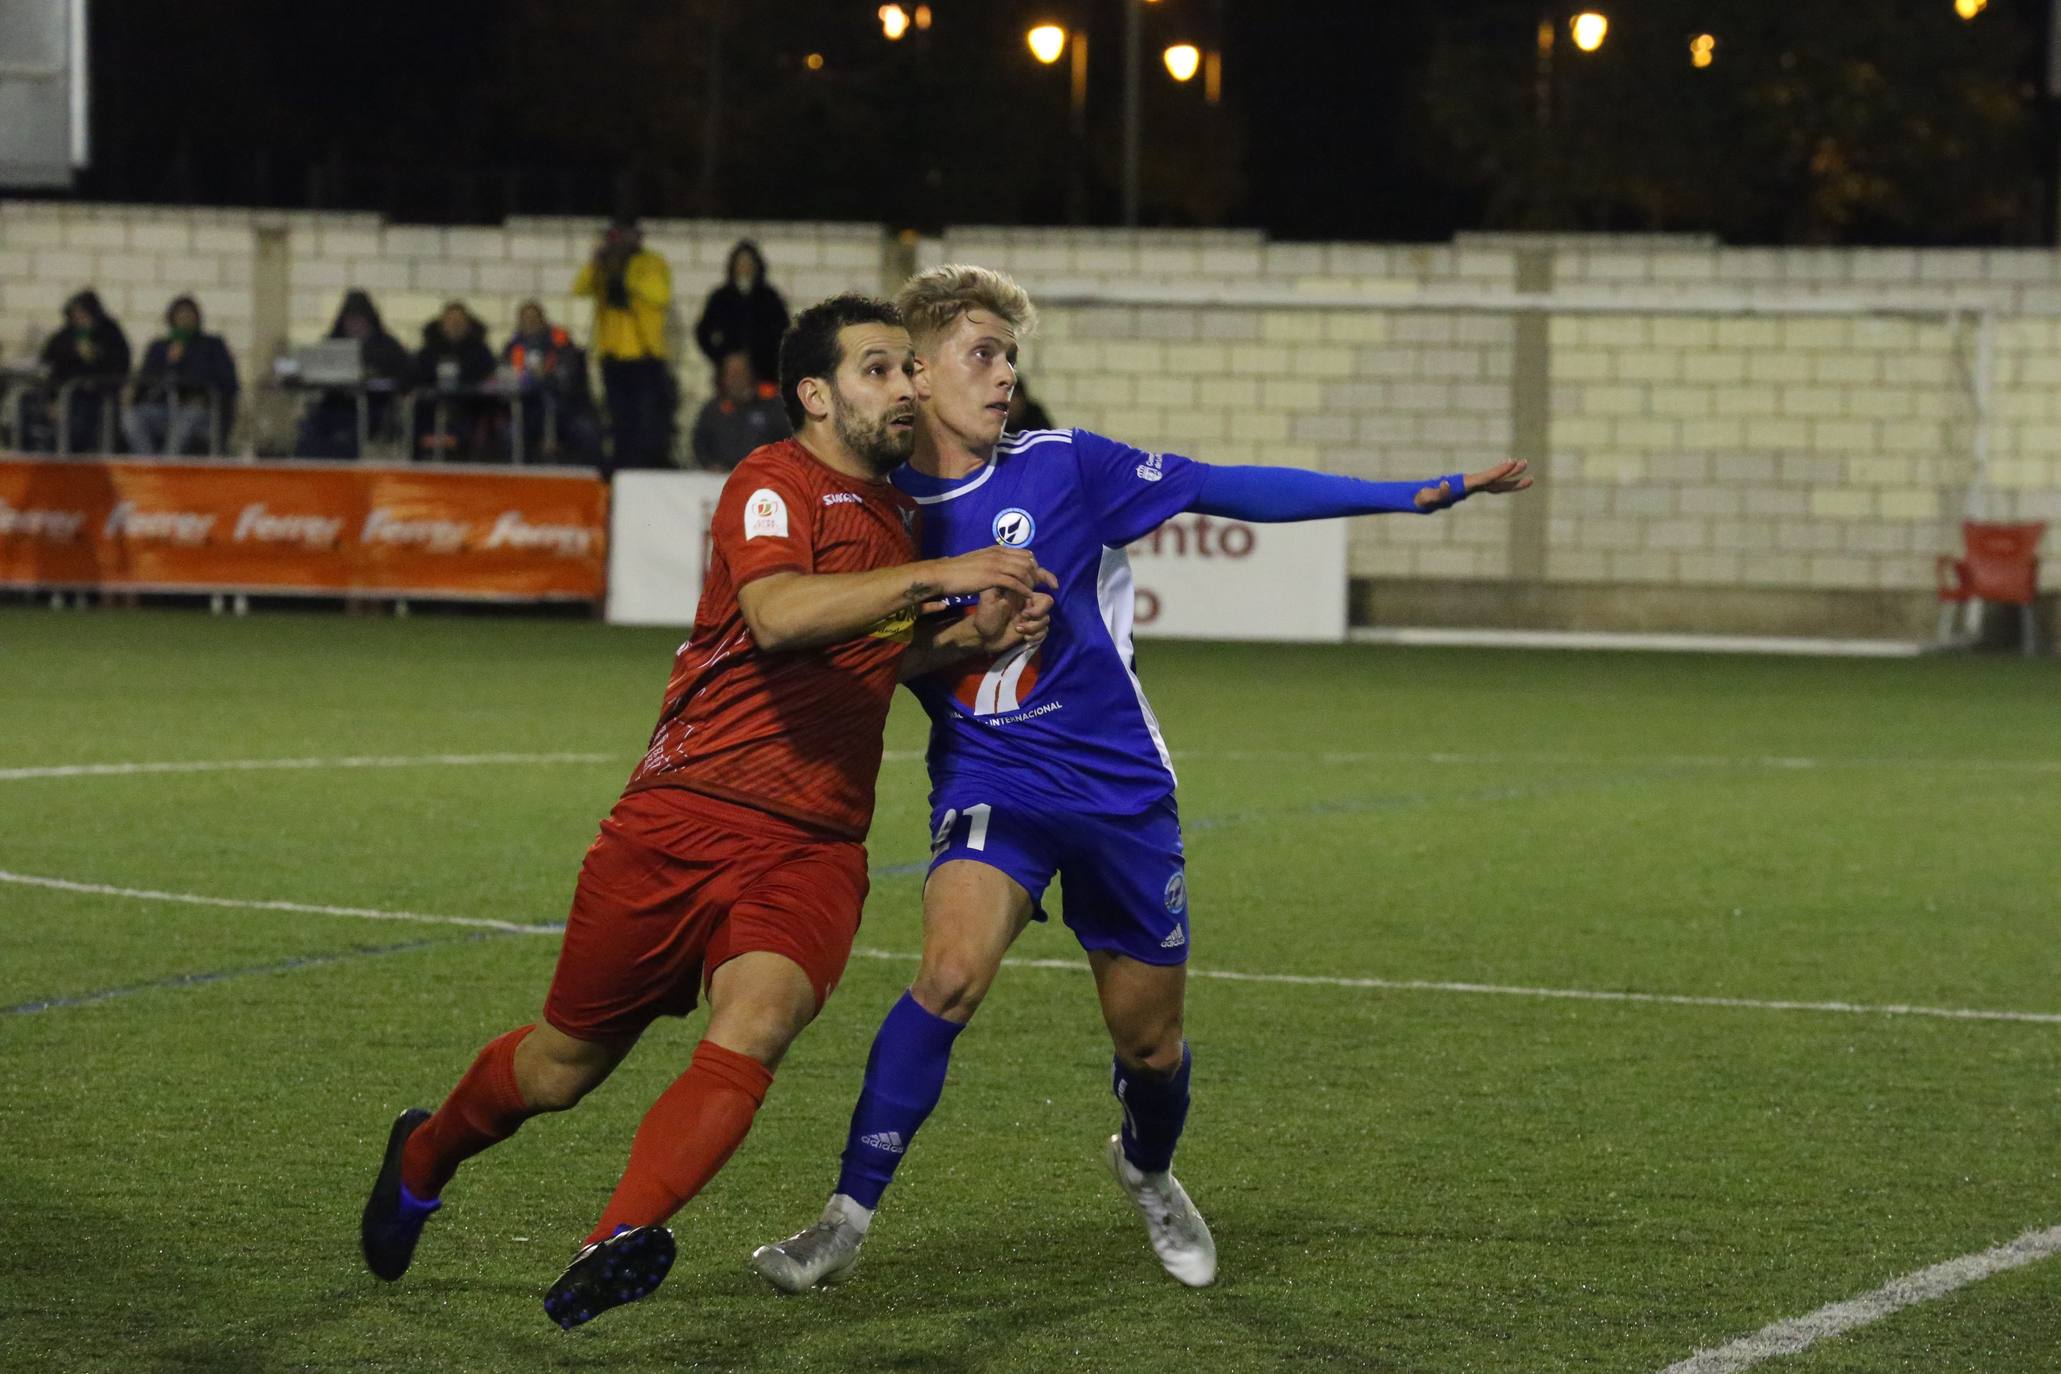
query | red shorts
(678,884)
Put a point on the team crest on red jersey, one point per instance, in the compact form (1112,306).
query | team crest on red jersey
(1003,685)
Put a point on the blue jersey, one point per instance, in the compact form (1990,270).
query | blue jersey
(1065,721)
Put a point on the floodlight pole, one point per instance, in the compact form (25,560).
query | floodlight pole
(1134,42)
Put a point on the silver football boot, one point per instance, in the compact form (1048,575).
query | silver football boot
(816,1256)
(1180,1237)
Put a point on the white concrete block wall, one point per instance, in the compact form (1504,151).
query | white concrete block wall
(1695,449)
(139,257)
(1819,452)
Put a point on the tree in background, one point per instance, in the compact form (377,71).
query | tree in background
(1816,122)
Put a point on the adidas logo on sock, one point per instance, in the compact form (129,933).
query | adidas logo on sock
(1178,938)
(890,1141)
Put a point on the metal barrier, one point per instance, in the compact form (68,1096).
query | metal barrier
(170,391)
(110,405)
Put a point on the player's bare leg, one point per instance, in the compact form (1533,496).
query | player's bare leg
(527,1072)
(759,1002)
(553,1070)
(972,914)
(1142,1006)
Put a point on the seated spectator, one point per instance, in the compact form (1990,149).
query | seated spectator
(454,361)
(330,428)
(548,365)
(1024,410)
(744,313)
(93,352)
(187,378)
(743,414)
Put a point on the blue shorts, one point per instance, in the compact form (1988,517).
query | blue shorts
(1126,877)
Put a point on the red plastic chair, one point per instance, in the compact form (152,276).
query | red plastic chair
(2002,565)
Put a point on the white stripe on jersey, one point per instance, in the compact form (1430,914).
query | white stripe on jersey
(1011,444)
(956,492)
(1113,592)
(1025,438)
(999,685)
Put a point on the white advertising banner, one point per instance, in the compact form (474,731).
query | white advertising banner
(658,545)
(1197,577)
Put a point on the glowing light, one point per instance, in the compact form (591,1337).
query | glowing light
(814,62)
(923,18)
(1183,60)
(1047,42)
(1589,29)
(1968,9)
(1702,50)
(894,22)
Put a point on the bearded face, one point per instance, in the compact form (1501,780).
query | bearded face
(882,440)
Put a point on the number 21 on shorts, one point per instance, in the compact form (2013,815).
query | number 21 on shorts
(976,829)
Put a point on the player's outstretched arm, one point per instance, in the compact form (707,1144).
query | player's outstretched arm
(1272,495)
(794,610)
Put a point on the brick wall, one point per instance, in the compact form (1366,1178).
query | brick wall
(1701,449)
(139,257)
(1690,450)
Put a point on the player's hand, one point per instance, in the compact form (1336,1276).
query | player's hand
(1008,570)
(1503,477)
(1004,620)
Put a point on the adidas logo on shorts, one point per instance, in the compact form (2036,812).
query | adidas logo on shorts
(1175,940)
(890,1141)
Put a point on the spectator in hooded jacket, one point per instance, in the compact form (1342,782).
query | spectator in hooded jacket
(631,287)
(330,428)
(743,414)
(93,351)
(547,363)
(744,313)
(187,378)
(452,363)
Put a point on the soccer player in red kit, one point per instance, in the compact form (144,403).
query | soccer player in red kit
(734,864)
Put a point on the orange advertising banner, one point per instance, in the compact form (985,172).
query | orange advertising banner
(322,528)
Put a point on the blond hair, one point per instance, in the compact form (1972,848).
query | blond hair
(930,301)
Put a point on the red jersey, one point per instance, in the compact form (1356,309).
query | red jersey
(797,733)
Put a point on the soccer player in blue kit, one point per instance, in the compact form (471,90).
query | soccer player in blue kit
(1047,759)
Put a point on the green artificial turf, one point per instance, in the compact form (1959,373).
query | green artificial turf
(192,1098)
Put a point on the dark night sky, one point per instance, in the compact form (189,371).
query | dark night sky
(1342,119)
(230,101)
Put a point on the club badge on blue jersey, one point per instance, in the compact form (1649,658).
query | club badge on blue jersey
(1014,528)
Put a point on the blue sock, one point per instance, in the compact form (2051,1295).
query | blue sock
(905,1075)
(1155,1110)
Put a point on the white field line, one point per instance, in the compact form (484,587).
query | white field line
(1783,762)
(1286,756)
(1221,975)
(1800,1333)
(2041,1018)
(123,770)
(361,913)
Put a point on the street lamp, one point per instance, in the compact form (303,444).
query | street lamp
(894,22)
(1702,50)
(1589,29)
(1968,9)
(1182,60)
(1047,42)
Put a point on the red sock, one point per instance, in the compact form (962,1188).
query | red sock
(484,1109)
(689,1134)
